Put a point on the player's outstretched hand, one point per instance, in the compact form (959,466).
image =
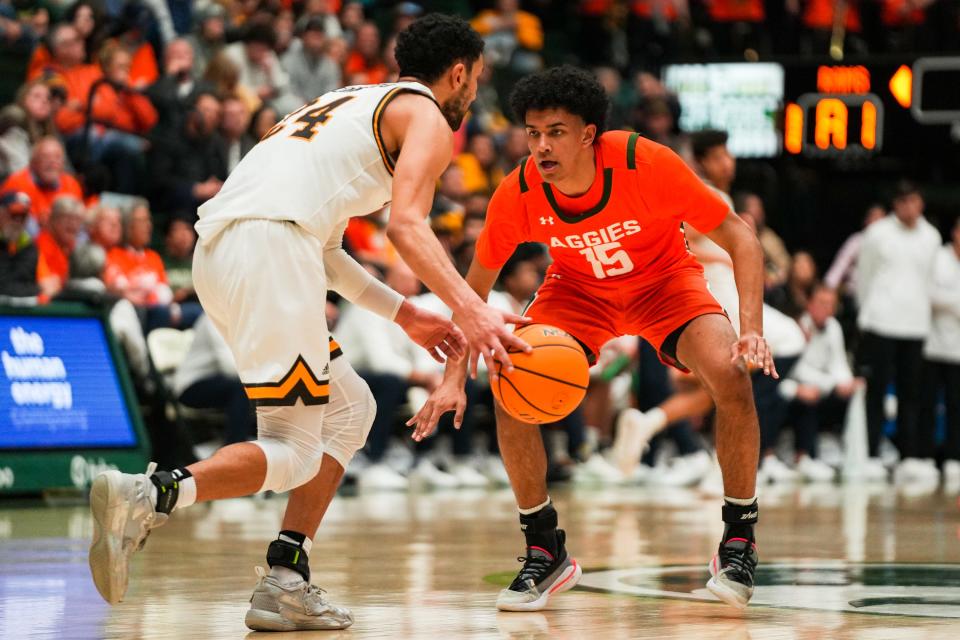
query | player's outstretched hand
(438,335)
(488,337)
(754,348)
(449,396)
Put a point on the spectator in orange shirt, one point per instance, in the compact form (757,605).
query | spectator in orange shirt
(66,51)
(44,180)
(84,19)
(106,227)
(365,64)
(56,242)
(134,23)
(120,118)
(513,37)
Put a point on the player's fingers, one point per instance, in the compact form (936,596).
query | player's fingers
(461,408)
(456,337)
(513,318)
(763,361)
(735,352)
(513,342)
(771,365)
(437,353)
(500,354)
(474,361)
(491,364)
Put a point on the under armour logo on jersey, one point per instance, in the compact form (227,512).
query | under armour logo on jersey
(546,220)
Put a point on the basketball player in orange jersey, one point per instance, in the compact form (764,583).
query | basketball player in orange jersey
(610,206)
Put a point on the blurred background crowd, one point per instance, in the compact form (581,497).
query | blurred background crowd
(121,117)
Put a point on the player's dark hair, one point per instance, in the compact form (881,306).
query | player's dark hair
(434,43)
(906,188)
(703,141)
(568,88)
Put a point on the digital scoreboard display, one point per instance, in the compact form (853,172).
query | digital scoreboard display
(59,388)
(743,99)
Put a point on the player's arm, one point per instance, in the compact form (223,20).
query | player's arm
(425,142)
(738,240)
(431,331)
(450,396)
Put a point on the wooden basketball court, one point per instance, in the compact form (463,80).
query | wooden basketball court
(837,562)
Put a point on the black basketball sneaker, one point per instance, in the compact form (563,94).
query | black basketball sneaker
(542,576)
(732,570)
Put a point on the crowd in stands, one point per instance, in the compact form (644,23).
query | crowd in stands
(129,115)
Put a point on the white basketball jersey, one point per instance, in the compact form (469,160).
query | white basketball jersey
(322,164)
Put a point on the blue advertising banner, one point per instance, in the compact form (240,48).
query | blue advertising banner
(59,387)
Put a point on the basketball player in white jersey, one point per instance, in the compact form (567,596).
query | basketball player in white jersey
(269,249)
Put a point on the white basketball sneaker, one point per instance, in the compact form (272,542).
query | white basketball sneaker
(123,515)
(297,606)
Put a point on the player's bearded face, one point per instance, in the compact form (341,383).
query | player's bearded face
(455,108)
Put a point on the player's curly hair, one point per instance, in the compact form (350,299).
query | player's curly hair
(565,87)
(434,43)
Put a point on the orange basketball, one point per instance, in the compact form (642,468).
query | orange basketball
(546,384)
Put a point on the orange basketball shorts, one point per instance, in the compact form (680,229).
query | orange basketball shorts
(596,312)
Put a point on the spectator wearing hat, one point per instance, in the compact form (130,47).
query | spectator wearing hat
(19,257)
(312,71)
(44,180)
(56,242)
(260,69)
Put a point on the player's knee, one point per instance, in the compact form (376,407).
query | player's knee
(345,435)
(293,451)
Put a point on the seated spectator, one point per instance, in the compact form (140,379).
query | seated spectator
(322,11)
(222,78)
(312,71)
(209,37)
(208,379)
(177,88)
(775,255)
(233,129)
(19,258)
(132,26)
(44,180)
(259,67)
(513,37)
(820,384)
(23,124)
(190,168)
(66,51)
(941,366)
(86,20)
(792,297)
(365,64)
(133,269)
(56,242)
(180,241)
(481,173)
(84,285)
(106,227)
(122,116)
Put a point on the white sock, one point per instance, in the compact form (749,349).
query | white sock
(187,493)
(527,512)
(657,417)
(284,575)
(743,502)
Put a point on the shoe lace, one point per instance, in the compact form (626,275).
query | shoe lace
(534,568)
(739,563)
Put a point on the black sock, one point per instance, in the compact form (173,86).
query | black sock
(287,551)
(540,529)
(739,520)
(168,487)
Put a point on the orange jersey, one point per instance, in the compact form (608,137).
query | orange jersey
(625,230)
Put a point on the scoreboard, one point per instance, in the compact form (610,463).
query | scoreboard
(882,107)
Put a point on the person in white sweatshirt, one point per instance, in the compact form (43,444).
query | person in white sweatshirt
(894,270)
(941,352)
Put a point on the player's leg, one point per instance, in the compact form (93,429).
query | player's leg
(548,568)
(284,600)
(704,347)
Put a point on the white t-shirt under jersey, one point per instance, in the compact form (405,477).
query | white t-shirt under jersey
(322,164)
